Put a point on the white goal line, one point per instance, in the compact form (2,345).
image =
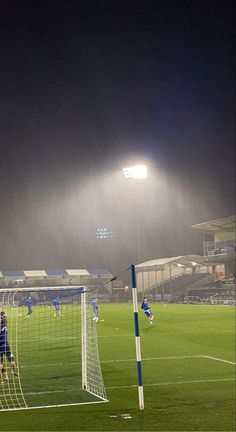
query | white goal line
(54,406)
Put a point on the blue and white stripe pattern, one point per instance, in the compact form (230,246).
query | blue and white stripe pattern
(55,273)
(137,338)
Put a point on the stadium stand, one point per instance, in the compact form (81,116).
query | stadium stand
(208,278)
(93,278)
(166,279)
(219,242)
(175,279)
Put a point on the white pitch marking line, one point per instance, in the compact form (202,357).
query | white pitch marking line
(73,337)
(55,406)
(172,358)
(115,335)
(174,383)
(48,392)
(38,338)
(152,358)
(118,361)
(201,356)
(135,385)
(218,359)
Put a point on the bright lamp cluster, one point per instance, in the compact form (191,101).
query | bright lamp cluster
(136,172)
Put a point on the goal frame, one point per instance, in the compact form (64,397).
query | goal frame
(84,339)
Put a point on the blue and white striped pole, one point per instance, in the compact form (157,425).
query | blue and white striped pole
(137,338)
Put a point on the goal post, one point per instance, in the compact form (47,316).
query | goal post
(51,357)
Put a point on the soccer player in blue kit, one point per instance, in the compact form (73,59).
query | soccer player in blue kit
(29,304)
(95,309)
(56,304)
(5,349)
(146,308)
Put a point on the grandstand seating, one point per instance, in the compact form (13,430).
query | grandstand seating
(215,292)
(178,285)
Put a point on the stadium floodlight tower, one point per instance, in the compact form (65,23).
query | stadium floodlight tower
(137,172)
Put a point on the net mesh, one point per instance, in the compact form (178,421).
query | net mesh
(56,359)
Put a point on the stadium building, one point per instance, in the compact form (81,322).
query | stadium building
(93,278)
(193,278)
(209,278)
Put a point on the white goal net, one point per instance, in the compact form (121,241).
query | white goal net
(48,348)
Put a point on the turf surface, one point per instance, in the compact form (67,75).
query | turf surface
(188,371)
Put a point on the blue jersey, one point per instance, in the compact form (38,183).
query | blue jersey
(95,306)
(4,345)
(146,309)
(3,336)
(145,305)
(29,303)
(56,303)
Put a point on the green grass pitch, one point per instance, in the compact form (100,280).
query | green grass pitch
(188,374)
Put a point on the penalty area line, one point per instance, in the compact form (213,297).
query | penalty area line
(218,359)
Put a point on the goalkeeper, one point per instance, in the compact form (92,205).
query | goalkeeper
(5,349)
(146,308)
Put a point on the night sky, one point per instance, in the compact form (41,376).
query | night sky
(88,87)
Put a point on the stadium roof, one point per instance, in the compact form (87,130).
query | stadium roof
(35,273)
(215,225)
(55,273)
(183,260)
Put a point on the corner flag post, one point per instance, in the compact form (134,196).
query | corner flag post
(84,340)
(137,338)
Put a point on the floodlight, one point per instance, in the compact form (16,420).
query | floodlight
(136,172)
